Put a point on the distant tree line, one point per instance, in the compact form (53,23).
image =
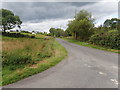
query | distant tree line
(57,32)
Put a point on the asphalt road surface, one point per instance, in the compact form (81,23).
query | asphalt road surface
(83,68)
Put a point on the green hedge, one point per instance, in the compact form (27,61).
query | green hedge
(16,35)
(110,39)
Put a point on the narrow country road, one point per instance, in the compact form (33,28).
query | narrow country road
(83,68)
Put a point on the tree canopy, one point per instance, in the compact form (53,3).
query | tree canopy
(9,20)
(113,23)
(81,26)
(57,32)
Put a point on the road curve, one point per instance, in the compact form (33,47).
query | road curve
(83,68)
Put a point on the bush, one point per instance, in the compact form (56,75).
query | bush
(109,39)
(16,35)
(15,58)
(23,51)
(32,36)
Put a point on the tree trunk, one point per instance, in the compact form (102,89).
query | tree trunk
(76,35)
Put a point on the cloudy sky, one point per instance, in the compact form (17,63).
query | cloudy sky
(40,16)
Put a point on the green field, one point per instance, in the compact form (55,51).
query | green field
(90,45)
(23,57)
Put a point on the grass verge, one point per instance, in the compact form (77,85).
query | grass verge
(86,44)
(43,57)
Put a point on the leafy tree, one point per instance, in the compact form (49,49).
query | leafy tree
(73,26)
(83,14)
(52,31)
(9,20)
(68,32)
(113,23)
(81,26)
(33,31)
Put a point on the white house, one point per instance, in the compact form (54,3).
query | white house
(33,33)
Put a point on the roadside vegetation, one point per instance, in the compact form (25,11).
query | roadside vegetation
(82,31)
(23,57)
(25,53)
(88,44)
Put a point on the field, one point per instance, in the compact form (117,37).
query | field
(87,44)
(23,57)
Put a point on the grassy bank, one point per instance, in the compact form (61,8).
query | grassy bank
(90,45)
(23,57)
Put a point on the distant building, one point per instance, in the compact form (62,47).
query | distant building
(33,33)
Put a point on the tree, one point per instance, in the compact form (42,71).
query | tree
(52,31)
(73,26)
(68,32)
(81,26)
(57,32)
(113,23)
(9,20)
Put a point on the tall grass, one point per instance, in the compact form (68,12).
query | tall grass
(21,50)
(23,57)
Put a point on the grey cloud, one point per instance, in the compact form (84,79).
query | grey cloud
(37,11)
(43,15)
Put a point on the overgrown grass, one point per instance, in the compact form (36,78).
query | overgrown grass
(90,45)
(23,57)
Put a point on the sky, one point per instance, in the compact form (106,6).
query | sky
(41,16)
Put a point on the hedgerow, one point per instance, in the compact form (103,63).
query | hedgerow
(109,39)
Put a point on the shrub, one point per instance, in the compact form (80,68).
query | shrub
(22,51)
(32,36)
(109,39)
(45,54)
(16,35)
(15,58)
